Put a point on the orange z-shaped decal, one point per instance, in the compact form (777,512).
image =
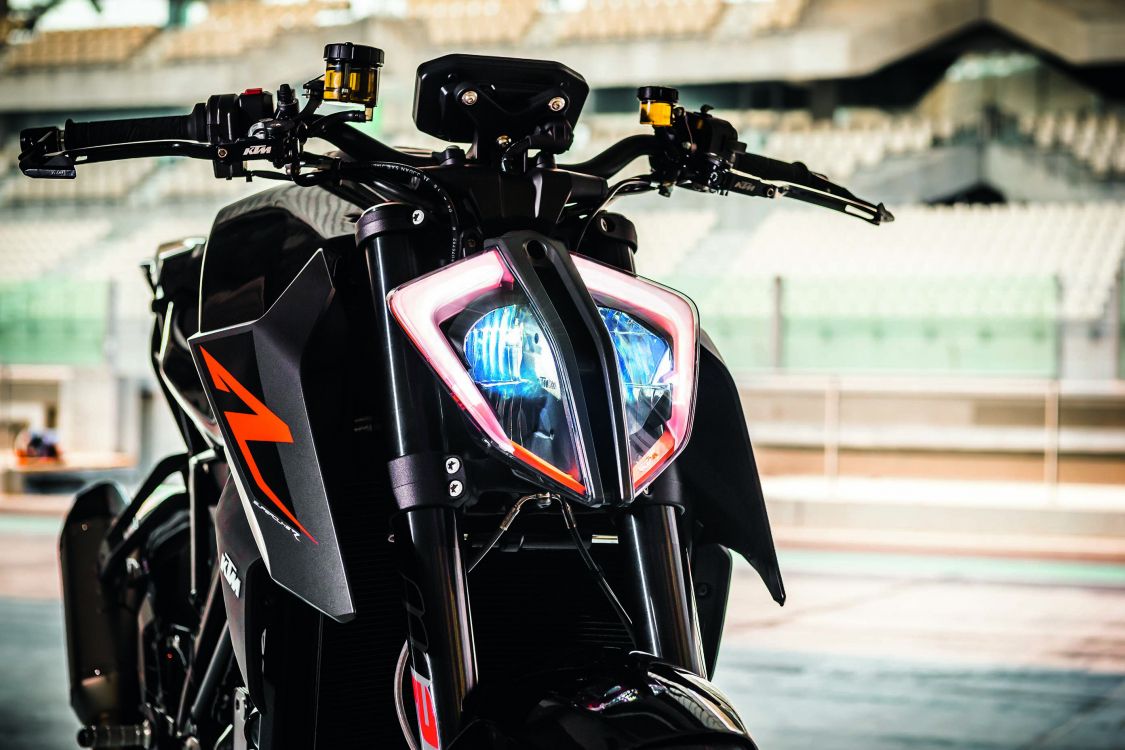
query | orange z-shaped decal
(262,426)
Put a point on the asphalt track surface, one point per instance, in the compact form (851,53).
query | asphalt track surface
(879,652)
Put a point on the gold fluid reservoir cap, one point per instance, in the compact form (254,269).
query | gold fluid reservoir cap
(656,105)
(351,73)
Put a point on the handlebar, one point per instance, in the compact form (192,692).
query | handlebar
(696,150)
(190,127)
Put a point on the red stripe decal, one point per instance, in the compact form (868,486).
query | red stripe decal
(262,426)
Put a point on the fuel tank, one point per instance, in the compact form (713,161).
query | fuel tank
(258,246)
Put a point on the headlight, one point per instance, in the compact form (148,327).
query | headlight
(511,362)
(655,331)
(480,334)
(476,329)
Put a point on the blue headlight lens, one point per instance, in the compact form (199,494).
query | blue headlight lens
(511,362)
(644,361)
(508,355)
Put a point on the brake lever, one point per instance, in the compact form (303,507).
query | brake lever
(816,190)
(40,163)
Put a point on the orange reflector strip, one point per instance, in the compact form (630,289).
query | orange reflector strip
(550,470)
(650,462)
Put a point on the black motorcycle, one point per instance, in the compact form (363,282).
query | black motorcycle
(427,384)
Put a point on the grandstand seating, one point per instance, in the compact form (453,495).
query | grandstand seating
(950,289)
(665,237)
(861,139)
(840,149)
(756,18)
(233,27)
(9,156)
(32,248)
(637,19)
(105,46)
(1096,141)
(457,22)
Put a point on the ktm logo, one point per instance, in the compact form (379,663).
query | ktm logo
(226,565)
(261,425)
(256,150)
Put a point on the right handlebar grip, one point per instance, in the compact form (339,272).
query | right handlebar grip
(772,169)
(192,127)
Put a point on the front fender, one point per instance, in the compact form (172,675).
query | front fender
(722,489)
(622,701)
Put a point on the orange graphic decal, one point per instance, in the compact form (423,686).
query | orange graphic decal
(261,426)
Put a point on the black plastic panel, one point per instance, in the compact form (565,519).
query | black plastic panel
(255,374)
(718,468)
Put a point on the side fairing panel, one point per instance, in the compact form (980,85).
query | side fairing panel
(240,566)
(721,476)
(256,384)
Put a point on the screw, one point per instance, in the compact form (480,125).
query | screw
(418,216)
(221,153)
(469,98)
(556,104)
(85,527)
(452,465)
(603,224)
(456,488)
(503,141)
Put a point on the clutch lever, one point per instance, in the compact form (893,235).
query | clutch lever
(760,176)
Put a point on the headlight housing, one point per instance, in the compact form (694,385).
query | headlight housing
(481,334)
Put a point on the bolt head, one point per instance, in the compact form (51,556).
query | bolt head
(557,104)
(418,216)
(452,465)
(456,488)
(221,153)
(503,141)
(469,98)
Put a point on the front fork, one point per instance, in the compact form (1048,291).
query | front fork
(665,620)
(426,533)
(427,538)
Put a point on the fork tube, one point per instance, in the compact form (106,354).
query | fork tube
(663,600)
(427,546)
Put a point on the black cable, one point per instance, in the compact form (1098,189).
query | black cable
(595,570)
(358,170)
(641,182)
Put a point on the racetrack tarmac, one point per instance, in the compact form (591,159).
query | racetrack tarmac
(879,652)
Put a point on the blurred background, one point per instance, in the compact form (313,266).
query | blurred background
(938,405)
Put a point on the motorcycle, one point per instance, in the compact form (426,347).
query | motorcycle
(437,487)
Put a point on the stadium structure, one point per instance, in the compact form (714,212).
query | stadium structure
(977,338)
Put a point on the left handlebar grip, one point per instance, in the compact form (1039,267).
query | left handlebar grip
(190,127)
